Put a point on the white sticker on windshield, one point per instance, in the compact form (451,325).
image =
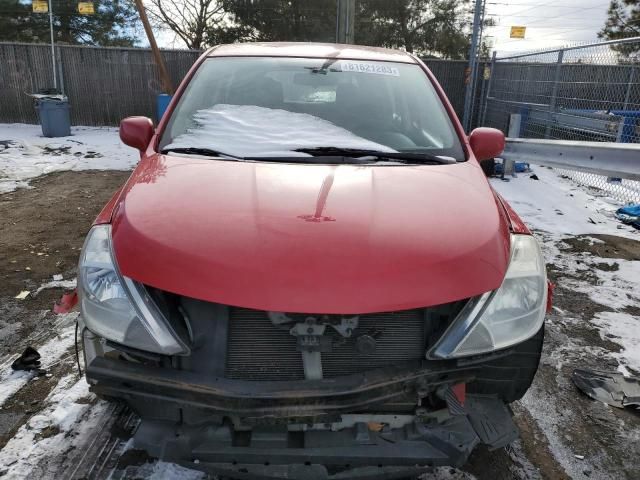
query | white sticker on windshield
(364,67)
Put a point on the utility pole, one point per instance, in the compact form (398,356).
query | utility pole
(473,53)
(164,74)
(474,76)
(53,49)
(345,28)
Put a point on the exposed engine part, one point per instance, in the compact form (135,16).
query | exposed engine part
(187,322)
(311,340)
(345,326)
(309,337)
(279,318)
(366,344)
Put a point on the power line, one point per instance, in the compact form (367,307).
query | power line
(534,7)
(527,4)
(543,18)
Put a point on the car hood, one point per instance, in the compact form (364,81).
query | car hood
(311,238)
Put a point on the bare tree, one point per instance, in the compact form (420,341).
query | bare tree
(193,21)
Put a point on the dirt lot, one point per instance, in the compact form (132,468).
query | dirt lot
(564,434)
(43,229)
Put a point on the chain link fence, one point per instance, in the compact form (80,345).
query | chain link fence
(580,93)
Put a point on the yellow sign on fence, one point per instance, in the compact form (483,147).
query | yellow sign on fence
(40,6)
(518,32)
(86,8)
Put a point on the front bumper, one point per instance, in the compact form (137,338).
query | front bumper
(309,400)
(298,429)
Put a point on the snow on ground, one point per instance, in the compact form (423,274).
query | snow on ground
(619,188)
(26,154)
(66,284)
(561,206)
(68,419)
(558,208)
(616,327)
(164,470)
(51,352)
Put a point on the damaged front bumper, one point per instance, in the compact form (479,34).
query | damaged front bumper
(305,429)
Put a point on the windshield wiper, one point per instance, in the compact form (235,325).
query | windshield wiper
(408,157)
(200,151)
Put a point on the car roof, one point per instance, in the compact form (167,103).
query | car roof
(314,50)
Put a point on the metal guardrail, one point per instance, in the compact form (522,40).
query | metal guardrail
(609,169)
(620,160)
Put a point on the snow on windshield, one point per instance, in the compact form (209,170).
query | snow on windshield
(252,131)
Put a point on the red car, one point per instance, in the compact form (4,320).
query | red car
(308,275)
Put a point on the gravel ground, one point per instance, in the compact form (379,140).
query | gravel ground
(48,433)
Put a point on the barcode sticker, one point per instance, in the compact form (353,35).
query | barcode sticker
(374,68)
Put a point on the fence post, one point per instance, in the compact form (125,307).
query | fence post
(471,69)
(515,122)
(554,94)
(627,95)
(60,71)
(483,117)
(345,32)
(481,99)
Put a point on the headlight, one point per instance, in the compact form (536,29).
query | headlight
(115,307)
(511,314)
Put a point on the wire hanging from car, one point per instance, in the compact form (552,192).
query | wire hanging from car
(76,346)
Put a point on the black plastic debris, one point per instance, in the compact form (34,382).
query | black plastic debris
(6,144)
(534,177)
(611,388)
(28,361)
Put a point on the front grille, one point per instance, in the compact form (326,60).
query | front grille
(259,351)
(256,350)
(245,344)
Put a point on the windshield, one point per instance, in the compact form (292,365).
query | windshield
(278,107)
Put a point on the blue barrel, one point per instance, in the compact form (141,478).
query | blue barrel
(54,117)
(162,102)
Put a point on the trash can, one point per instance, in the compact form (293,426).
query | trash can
(162,102)
(54,117)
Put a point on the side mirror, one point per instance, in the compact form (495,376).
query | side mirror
(486,143)
(136,132)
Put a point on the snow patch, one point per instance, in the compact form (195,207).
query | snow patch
(623,329)
(71,422)
(162,470)
(557,209)
(614,289)
(66,284)
(251,131)
(50,353)
(26,154)
(561,206)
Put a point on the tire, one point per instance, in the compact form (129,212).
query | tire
(510,376)
(488,166)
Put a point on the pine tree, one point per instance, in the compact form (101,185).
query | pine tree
(285,20)
(111,25)
(426,27)
(623,21)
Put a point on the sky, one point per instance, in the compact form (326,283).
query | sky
(550,23)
